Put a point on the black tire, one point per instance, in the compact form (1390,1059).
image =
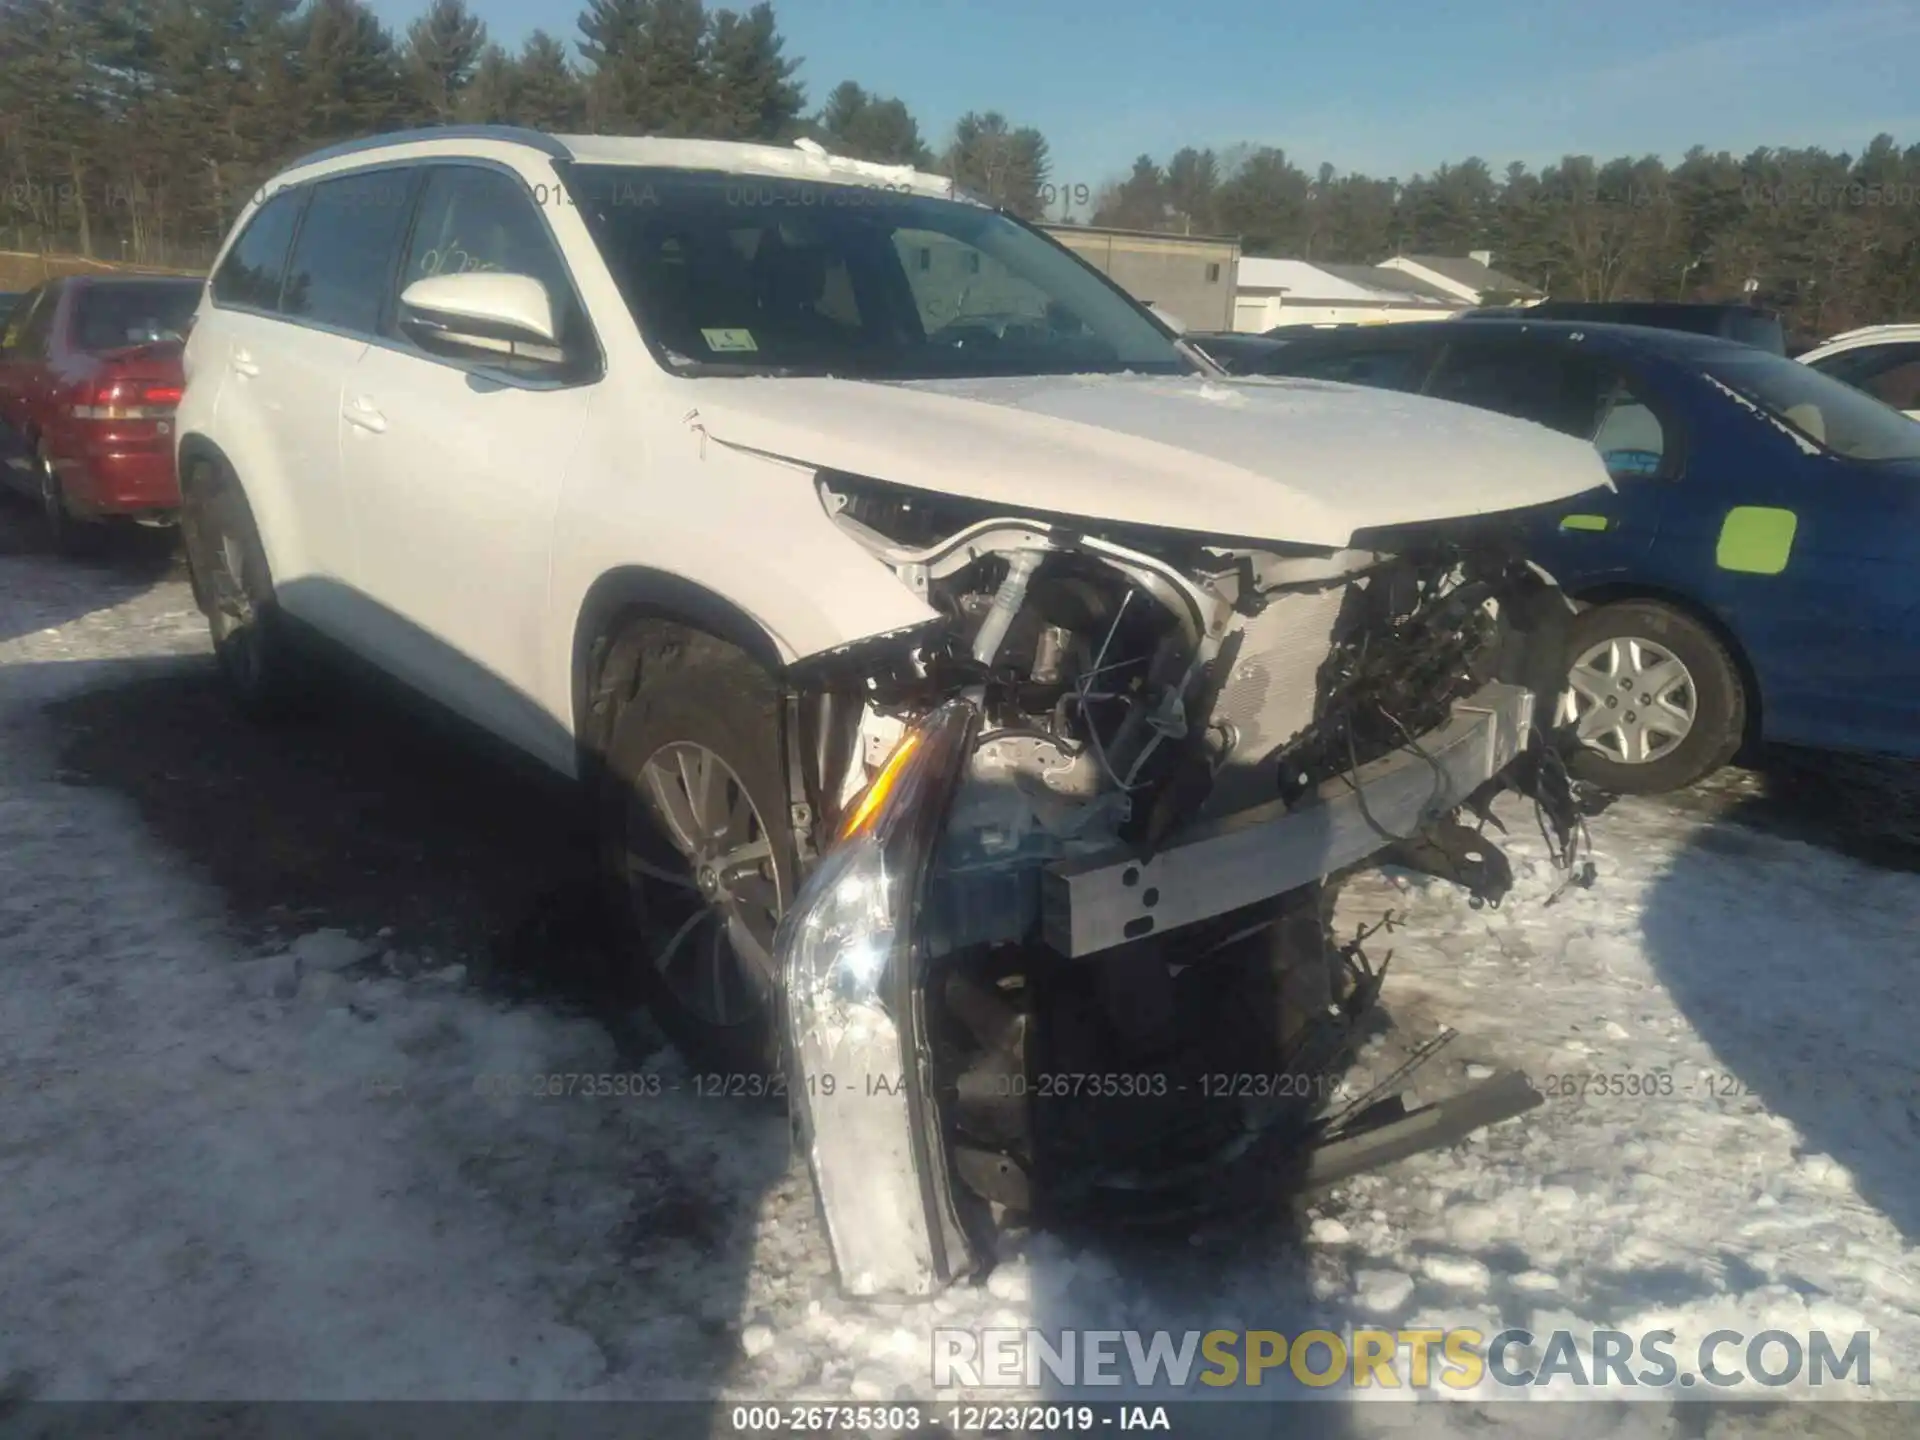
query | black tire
(696,691)
(65,534)
(1719,697)
(264,671)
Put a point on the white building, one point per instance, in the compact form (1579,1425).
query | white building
(1270,292)
(1470,277)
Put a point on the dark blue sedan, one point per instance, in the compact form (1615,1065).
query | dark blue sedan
(1756,573)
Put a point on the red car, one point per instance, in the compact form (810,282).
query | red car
(89,379)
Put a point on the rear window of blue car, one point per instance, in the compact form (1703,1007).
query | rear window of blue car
(1834,416)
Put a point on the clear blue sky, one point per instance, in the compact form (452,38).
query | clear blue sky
(1384,88)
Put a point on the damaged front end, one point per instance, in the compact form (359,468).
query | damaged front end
(1068,951)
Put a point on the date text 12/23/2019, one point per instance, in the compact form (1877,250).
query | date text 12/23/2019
(1579,1086)
(645,1084)
(950,1418)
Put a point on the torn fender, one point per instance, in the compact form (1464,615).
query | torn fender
(813,592)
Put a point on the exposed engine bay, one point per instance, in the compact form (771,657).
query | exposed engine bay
(1119,692)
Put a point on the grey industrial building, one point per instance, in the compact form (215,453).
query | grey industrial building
(1187,277)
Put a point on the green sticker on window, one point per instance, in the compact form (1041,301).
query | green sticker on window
(1756,539)
(1583,522)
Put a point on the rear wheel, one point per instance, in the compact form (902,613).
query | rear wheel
(699,851)
(65,534)
(234,586)
(1655,700)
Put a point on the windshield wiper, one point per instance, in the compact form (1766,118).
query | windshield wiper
(697,369)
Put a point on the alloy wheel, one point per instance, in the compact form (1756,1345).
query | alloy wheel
(722,902)
(235,618)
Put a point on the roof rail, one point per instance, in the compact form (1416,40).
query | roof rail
(507,134)
(1871,329)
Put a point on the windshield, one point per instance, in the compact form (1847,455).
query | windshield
(1839,417)
(112,316)
(750,275)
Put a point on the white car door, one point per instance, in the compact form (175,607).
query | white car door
(453,464)
(290,342)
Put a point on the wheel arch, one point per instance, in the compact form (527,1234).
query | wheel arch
(1615,591)
(274,520)
(601,674)
(193,451)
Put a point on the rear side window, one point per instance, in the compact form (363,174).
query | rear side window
(1841,419)
(110,316)
(1383,367)
(1889,373)
(31,314)
(1631,437)
(1578,395)
(250,275)
(1563,392)
(344,256)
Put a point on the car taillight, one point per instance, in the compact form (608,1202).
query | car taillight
(126,400)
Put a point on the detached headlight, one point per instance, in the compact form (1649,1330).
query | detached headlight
(859,1067)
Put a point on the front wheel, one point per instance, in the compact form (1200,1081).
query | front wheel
(699,850)
(1655,700)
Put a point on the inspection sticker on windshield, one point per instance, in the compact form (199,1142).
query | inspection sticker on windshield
(729,339)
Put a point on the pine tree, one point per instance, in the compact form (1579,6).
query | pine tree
(750,82)
(547,93)
(999,163)
(1139,202)
(1264,201)
(142,127)
(443,50)
(648,66)
(491,97)
(1192,177)
(349,77)
(138,105)
(63,108)
(870,127)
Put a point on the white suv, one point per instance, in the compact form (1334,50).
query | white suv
(1883,360)
(880,566)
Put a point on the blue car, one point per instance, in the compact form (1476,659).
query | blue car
(1755,575)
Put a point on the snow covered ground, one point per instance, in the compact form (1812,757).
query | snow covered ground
(255,1150)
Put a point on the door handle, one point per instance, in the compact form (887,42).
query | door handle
(361,412)
(243,363)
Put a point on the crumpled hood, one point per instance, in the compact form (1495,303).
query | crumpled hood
(1295,460)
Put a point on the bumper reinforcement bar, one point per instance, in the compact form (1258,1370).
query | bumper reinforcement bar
(1095,902)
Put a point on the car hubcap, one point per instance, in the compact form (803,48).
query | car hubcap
(718,959)
(1630,700)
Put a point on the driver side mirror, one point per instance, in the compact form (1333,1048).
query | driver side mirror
(484,312)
